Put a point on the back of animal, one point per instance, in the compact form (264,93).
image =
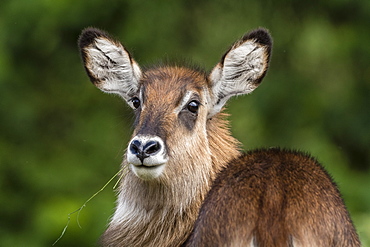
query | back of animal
(274,197)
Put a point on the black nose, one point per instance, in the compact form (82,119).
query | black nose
(145,150)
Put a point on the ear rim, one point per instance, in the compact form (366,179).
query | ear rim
(261,38)
(86,38)
(89,38)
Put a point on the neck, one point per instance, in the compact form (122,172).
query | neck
(224,147)
(162,213)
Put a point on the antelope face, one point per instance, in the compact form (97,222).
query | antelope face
(172,104)
(170,109)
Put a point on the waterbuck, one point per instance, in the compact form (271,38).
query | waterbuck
(188,182)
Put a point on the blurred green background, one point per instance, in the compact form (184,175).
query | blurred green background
(62,139)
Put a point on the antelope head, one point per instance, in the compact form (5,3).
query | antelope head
(177,109)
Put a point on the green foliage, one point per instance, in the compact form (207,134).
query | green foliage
(62,140)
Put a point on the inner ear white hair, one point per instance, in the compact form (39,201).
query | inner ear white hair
(108,64)
(241,69)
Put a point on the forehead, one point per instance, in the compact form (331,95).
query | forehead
(172,83)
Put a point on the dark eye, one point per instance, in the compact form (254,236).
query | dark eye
(135,102)
(193,106)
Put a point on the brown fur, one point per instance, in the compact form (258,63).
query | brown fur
(274,198)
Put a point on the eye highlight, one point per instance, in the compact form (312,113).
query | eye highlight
(193,106)
(135,101)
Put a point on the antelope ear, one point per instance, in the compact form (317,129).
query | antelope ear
(108,64)
(241,69)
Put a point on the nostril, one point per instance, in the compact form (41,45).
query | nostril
(136,147)
(152,147)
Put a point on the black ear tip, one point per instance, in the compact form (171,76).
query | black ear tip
(88,35)
(260,35)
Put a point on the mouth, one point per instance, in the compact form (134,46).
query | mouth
(142,166)
(147,172)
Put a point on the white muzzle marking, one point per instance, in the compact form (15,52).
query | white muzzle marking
(147,156)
